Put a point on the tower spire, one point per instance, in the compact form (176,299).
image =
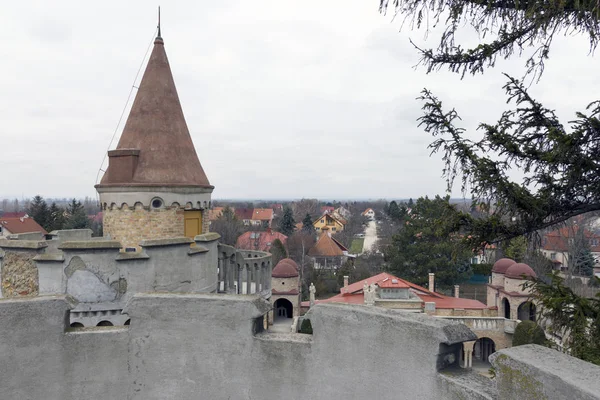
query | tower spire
(159,35)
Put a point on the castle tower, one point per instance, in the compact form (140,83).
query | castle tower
(154,186)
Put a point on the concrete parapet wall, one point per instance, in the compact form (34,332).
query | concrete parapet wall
(535,372)
(190,346)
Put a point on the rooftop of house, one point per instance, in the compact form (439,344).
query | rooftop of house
(558,240)
(327,246)
(215,213)
(259,240)
(353,294)
(262,214)
(244,213)
(21,225)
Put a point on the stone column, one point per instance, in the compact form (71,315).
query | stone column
(248,278)
(232,270)
(239,278)
(258,280)
(456,291)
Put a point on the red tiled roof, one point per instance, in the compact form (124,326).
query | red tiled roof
(327,209)
(11,214)
(21,225)
(352,294)
(327,246)
(243,213)
(262,214)
(392,284)
(558,240)
(286,268)
(261,241)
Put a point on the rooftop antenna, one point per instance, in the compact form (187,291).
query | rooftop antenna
(159,35)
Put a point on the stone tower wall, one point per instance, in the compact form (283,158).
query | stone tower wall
(131,225)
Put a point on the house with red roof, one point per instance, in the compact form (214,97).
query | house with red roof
(26,224)
(261,241)
(558,245)
(394,292)
(328,253)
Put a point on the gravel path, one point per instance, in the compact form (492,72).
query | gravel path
(370,236)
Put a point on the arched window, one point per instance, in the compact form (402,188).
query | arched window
(526,311)
(105,323)
(77,325)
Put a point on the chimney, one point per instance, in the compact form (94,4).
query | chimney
(431,282)
(456,291)
(346,277)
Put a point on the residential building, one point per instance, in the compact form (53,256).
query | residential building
(328,222)
(244,215)
(216,212)
(26,224)
(259,240)
(327,209)
(343,212)
(262,217)
(558,245)
(328,253)
(369,213)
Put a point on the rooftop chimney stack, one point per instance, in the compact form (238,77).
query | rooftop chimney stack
(431,282)
(456,291)
(346,277)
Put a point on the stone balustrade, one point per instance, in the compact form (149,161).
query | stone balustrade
(486,323)
(244,271)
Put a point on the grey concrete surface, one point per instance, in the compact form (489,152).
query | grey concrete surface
(542,373)
(211,346)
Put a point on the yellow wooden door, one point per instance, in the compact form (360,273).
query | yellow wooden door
(193,223)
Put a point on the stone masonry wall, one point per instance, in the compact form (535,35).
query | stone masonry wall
(132,225)
(19,274)
(182,346)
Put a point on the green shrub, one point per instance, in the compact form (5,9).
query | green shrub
(306,327)
(482,269)
(528,332)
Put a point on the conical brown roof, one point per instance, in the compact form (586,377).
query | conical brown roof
(156,134)
(327,246)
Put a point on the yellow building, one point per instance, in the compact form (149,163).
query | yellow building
(328,222)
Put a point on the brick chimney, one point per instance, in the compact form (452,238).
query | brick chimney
(431,282)
(346,277)
(456,291)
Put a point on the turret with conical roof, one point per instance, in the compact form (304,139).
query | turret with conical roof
(154,186)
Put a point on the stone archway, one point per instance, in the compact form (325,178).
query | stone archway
(283,308)
(483,348)
(105,323)
(526,311)
(506,307)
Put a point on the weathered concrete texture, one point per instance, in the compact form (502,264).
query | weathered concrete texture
(190,346)
(536,372)
(32,348)
(19,276)
(461,384)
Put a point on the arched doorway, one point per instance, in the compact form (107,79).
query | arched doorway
(526,311)
(506,307)
(283,308)
(105,323)
(483,349)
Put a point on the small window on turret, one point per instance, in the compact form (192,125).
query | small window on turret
(157,203)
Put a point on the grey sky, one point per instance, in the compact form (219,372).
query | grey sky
(283,99)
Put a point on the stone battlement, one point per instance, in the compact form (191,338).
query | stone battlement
(102,278)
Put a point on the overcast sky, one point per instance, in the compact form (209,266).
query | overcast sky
(284,99)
